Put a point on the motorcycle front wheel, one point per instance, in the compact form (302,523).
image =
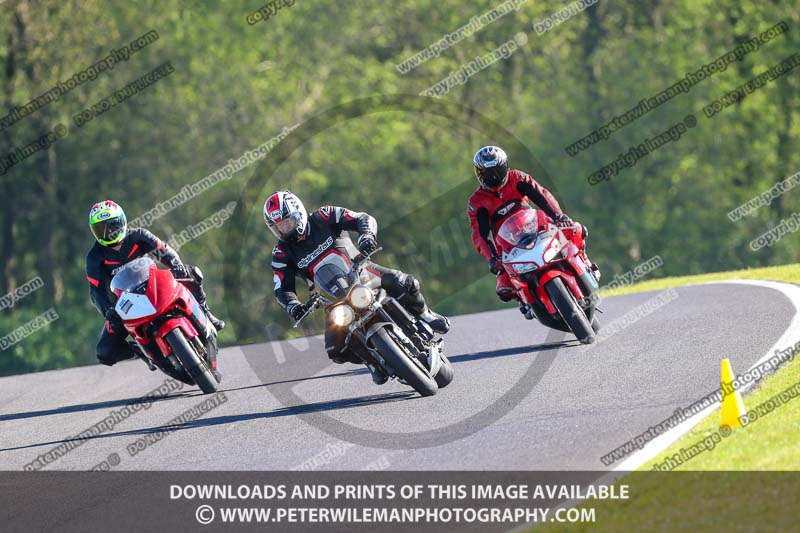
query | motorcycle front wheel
(570,311)
(405,369)
(193,364)
(445,374)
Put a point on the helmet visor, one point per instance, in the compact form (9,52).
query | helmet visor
(285,228)
(111,231)
(492,177)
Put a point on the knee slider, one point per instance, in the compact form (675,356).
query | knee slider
(411,285)
(506,294)
(332,351)
(105,358)
(393,283)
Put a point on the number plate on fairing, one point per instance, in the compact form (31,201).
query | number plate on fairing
(132,306)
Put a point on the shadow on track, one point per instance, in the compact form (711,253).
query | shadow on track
(284,411)
(110,404)
(297,380)
(332,405)
(316,407)
(517,350)
(95,406)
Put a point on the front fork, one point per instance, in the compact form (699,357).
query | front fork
(381,318)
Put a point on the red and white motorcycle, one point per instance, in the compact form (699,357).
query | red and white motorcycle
(548,268)
(170,329)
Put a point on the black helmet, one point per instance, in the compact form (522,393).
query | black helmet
(491,167)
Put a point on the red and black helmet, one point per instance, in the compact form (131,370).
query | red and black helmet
(285,216)
(491,167)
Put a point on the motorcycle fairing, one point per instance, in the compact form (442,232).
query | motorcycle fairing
(524,239)
(162,296)
(332,274)
(132,306)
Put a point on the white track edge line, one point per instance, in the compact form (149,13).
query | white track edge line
(663,441)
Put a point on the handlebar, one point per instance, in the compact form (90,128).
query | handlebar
(316,299)
(311,306)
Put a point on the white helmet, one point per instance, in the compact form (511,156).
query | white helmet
(285,216)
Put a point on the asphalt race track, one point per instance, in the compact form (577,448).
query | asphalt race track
(523,397)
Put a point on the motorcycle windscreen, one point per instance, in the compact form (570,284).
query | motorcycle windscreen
(334,276)
(133,276)
(535,254)
(520,229)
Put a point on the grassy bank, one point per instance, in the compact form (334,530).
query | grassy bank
(718,489)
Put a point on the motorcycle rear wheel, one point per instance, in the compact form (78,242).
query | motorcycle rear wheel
(570,311)
(194,365)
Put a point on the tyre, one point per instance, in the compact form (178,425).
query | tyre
(445,374)
(196,368)
(570,311)
(402,364)
(178,375)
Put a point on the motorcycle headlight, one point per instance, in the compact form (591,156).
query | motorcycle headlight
(342,315)
(552,251)
(361,297)
(521,268)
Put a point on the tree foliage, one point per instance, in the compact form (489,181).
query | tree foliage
(237,85)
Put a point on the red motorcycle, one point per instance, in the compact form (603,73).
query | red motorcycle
(550,272)
(170,329)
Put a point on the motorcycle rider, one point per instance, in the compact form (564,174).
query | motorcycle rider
(305,239)
(117,244)
(501,193)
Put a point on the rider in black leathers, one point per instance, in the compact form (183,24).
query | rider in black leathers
(116,245)
(305,239)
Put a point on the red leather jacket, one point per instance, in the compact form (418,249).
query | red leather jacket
(486,210)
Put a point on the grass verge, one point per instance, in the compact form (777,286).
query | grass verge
(728,487)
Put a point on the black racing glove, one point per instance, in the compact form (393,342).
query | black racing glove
(563,221)
(296,310)
(180,271)
(367,243)
(112,316)
(495,265)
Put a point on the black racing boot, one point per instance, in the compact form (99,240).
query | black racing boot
(137,352)
(407,291)
(437,322)
(342,357)
(378,377)
(218,324)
